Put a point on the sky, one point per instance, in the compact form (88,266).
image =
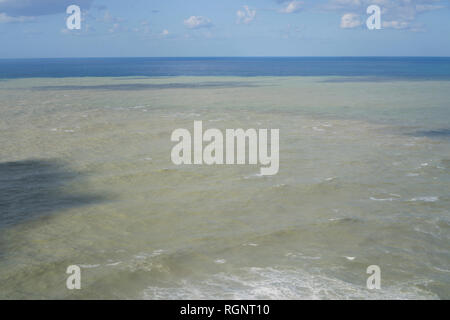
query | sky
(208,28)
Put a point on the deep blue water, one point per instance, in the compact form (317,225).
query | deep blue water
(407,67)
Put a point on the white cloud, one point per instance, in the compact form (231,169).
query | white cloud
(109,18)
(396,24)
(21,8)
(245,16)
(428,7)
(113,23)
(350,20)
(117,27)
(292,7)
(339,4)
(197,22)
(4,18)
(397,14)
(165,32)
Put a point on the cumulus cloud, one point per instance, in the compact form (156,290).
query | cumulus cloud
(350,20)
(246,15)
(292,7)
(197,22)
(396,14)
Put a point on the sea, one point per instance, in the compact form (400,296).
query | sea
(86,179)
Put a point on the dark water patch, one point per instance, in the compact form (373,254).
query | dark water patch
(32,189)
(381,79)
(439,133)
(149,86)
(446,163)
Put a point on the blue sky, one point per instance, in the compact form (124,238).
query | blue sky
(145,28)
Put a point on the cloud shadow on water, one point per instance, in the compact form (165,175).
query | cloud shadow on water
(32,189)
(438,134)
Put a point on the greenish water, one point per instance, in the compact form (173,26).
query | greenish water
(86,179)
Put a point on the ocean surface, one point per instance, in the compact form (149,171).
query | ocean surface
(384,67)
(86,179)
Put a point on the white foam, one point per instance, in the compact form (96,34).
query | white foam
(256,175)
(89,266)
(442,270)
(276,284)
(251,244)
(350,258)
(220,261)
(385,199)
(310,257)
(412,175)
(425,199)
(155,253)
(281,185)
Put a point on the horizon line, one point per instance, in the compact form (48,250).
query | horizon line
(213,57)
